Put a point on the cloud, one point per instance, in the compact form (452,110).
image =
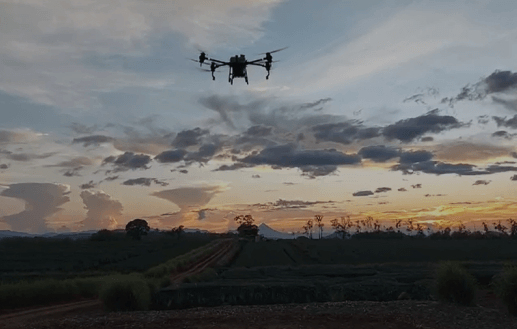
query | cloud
(202,213)
(255,176)
(344,132)
(514,178)
(481,182)
(171,156)
(503,134)
(190,137)
(409,129)
(102,210)
(469,151)
(427,139)
(316,103)
(379,153)
(312,162)
(248,110)
(204,154)
(362,193)
(502,122)
(382,189)
(416,186)
(497,82)
(288,204)
(41,201)
(80,128)
(26,157)
(95,140)
(258,131)
(144,182)
(235,166)
(415,156)
(189,197)
(18,136)
(74,163)
(441,168)
(40,38)
(88,185)
(402,189)
(4,166)
(128,160)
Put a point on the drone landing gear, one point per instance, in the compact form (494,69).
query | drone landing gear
(246,80)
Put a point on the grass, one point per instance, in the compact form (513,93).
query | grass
(23,294)
(118,291)
(39,257)
(126,293)
(455,284)
(506,288)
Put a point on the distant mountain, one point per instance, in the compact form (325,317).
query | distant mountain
(71,235)
(8,234)
(270,233)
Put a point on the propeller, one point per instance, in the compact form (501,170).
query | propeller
(274,51)
(195,60)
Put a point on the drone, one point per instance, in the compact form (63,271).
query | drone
(237,64)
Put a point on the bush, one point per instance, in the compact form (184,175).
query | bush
(46,291)
(506,288)
(126,293)
(455,284)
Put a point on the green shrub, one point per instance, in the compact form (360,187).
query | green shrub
(455,284)
(126,293)
(506,288)
(46,291)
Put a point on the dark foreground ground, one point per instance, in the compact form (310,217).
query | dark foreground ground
(488,313)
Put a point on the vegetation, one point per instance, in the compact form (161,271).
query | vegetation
(308,228)
(246,227)
(136,228)
(455,284)
(106,251)
(506,288)
(126,293)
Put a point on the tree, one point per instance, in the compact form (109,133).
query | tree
(308,228)
(246,228)
(319,224)
(342,227)
(136,228)
(177,231)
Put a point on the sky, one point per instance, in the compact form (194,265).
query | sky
(393,109)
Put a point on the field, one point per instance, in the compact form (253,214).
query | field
(363,251)
(27,259)
(264,272)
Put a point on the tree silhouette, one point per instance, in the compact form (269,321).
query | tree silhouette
(177,231)
(319,224)
(343,226)
(308,228)
(136,228)
(246,227)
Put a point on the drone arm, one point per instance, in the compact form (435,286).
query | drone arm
(256,64)
(256,61)
(221,63)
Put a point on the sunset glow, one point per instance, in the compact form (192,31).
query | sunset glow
(394,111)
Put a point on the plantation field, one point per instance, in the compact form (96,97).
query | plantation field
(362,251)
(36,258)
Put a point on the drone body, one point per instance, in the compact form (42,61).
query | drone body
(237,65)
